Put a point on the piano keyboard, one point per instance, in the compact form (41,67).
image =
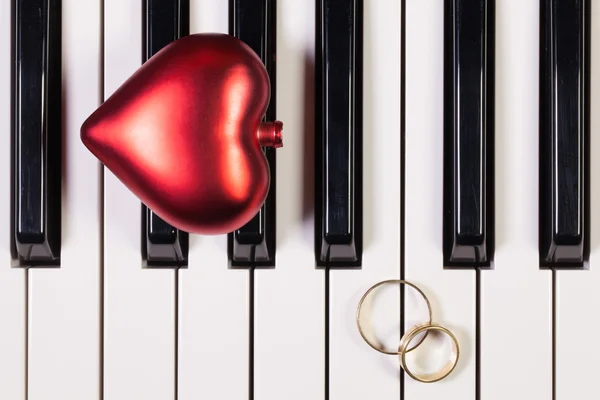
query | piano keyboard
(443,142)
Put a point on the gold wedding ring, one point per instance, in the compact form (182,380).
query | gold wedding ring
(445,370)
(360,306)
(411,334)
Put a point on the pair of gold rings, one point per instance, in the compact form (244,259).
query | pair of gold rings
(411,335)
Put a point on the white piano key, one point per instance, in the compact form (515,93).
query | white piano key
(452,292)
(289,335)
(516,297)
(356,371)
(577,295)
(213,300)
(139,304)
(64,304)
(12,280)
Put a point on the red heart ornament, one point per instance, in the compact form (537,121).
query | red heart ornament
(184,133)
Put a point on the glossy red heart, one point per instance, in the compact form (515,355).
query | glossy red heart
(184,133)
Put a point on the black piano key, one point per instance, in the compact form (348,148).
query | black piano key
(168,247)
(254,22)
(468,133)
(36,132)
(164,21)
(564,132)
(338,143)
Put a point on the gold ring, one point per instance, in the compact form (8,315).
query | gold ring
(359,309)
(445,370)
